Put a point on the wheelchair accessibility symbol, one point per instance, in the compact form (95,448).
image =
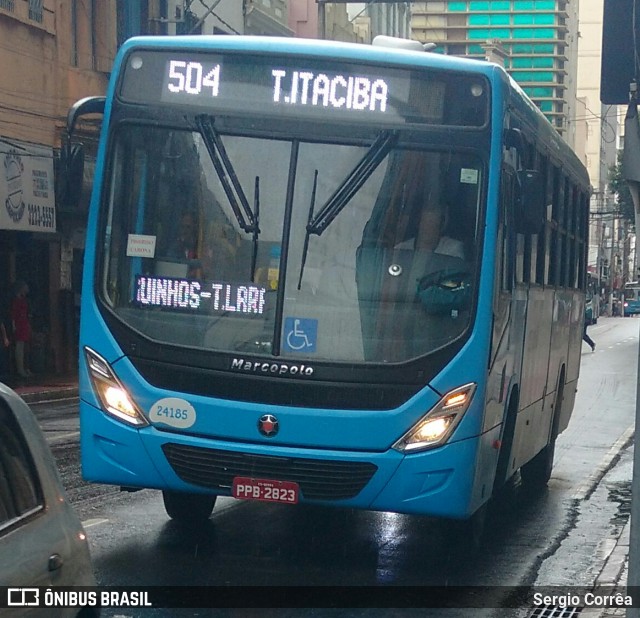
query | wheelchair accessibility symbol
(300,335)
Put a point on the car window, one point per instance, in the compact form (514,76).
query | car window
(20,490)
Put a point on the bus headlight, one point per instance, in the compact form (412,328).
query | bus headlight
(113,396)
(438,424)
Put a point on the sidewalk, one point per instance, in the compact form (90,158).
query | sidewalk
(40,388)
(613,575)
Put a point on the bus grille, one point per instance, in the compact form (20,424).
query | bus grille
(318,479)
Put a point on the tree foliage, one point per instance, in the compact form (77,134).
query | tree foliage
(619,187)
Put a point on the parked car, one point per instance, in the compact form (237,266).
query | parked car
(42,542)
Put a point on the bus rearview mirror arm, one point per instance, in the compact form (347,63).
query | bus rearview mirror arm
(88,105)
(71,164)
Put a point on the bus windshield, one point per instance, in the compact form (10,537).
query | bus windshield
(329,251)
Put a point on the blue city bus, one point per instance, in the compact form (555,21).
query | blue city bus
(631,304)
(326,273)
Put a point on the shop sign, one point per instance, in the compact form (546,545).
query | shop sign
(27,196)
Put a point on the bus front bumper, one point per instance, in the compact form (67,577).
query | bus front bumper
(436,482)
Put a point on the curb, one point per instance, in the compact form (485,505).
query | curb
(613,572)
(588,486)
(49,394)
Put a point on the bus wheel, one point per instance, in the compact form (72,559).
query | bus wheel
(188,508)
(536,473)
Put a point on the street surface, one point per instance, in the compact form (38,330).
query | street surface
(550,539)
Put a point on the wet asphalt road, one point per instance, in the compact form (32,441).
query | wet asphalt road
(550,539)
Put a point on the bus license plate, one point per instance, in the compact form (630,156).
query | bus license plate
(266,490)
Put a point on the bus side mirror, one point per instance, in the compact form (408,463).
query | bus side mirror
(88,105)
(70,176)
(530,207)
(70,168)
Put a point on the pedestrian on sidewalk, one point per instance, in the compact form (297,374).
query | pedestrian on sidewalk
(586,338)
(21,327)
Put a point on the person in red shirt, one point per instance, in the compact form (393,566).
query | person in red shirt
(21,328)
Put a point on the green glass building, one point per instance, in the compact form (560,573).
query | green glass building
(538,36)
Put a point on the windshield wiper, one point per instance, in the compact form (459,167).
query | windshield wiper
(305,248)
(256,227)
(352,183)
(245,217)
(347,189)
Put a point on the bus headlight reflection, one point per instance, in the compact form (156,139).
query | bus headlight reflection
(438,424)
(113,396)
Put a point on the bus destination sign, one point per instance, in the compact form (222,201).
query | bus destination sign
(288,87)
(301,87)
(201,297)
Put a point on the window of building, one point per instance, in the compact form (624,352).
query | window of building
(543,48)
(479,20)
(544,19)
(522,48)
(544,33)
(500,20)
(523,20)
(35,10)
(533,76)
(457,50)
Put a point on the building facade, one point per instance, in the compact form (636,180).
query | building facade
(374,18)
(324,20)
(538,36)
(53,53)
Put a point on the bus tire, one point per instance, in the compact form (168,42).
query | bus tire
(188,508)
(506,441)
(535,474)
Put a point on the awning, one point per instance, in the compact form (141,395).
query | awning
(27,196)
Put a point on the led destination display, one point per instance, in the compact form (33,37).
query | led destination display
(302,87)
(195,296)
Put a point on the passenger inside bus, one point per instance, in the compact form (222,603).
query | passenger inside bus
(416,288)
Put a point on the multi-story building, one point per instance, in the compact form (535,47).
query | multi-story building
(52,52)
(538,36)
(325,20)
(373,18)
(267,17)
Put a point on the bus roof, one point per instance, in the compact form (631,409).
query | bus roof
(312,47)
